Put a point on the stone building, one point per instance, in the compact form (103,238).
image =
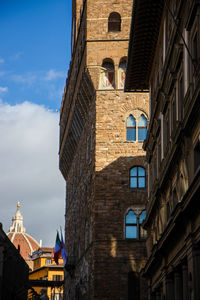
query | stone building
(45,269)
(101,158)
(13,271)
(164,57)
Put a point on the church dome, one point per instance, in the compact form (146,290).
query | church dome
(25,243)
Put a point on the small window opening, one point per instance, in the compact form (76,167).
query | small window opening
(137,178)
(114,22)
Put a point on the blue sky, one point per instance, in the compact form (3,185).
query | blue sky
(34,59)
(35,50)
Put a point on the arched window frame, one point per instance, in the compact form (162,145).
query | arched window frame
(114,22)
(131,227)
(121,73)
(130,128)
(138,126)
(136,177)
(107,75)
(142,129)
(138,233)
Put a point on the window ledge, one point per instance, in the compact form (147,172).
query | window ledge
(133,142)
(135,240)
(108,89)
(137,189)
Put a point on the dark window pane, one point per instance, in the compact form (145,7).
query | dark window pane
(108,65)
(131,232)
(114,22)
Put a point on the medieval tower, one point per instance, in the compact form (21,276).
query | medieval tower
(101,158)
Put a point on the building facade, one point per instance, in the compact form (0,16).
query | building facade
(101,158)
(13,271)
(45,268)
(168,64)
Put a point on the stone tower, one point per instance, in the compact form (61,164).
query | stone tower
(101,158)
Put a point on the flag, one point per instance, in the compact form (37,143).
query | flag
(63,249)
(57,248)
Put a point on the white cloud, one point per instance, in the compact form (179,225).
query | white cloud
(1,60)
(3,89)
(52,75)
(28,78)
(29,169)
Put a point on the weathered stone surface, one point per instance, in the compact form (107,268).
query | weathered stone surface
(98,193)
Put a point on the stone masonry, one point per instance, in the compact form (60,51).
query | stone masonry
(96,158)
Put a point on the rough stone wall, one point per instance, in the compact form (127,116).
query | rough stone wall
(115,256)
(79,216)
(98,194)
(97,19)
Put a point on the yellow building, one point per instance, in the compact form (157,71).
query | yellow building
(45,269)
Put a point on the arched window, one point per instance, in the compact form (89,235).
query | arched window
(121,74)
(142,128)
(131,225)
(130,128)
(114,22)
(107,80)
(137,178)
